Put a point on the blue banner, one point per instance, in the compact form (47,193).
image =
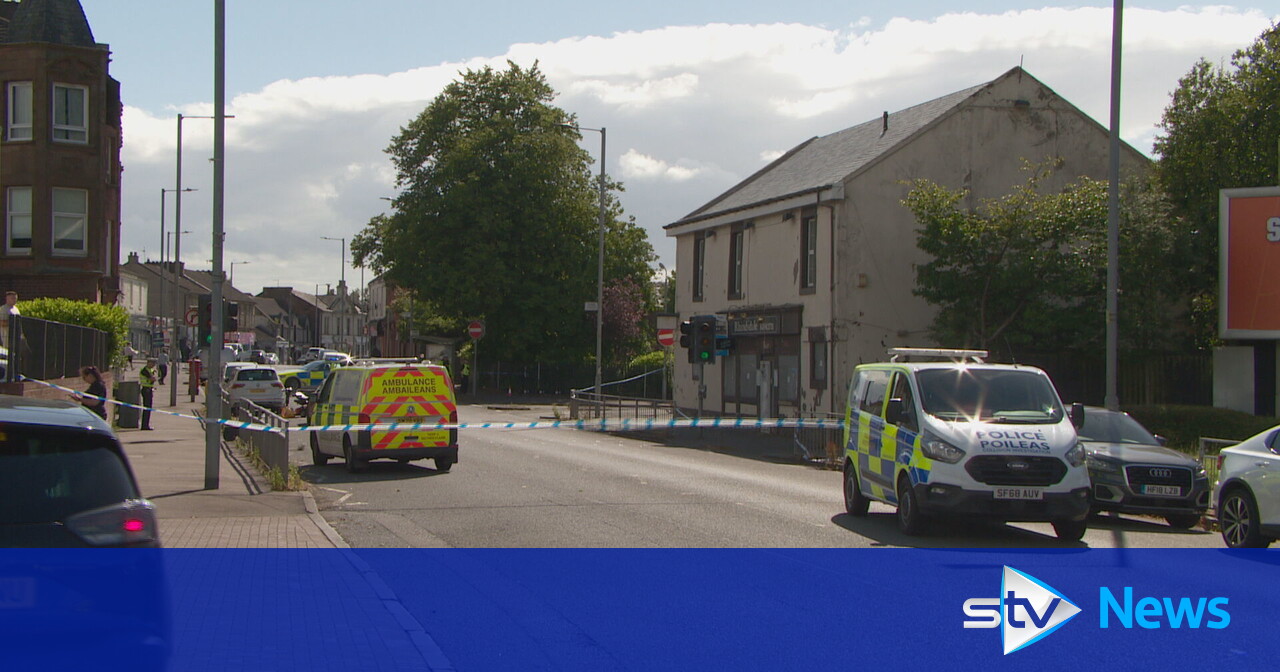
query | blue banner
(672,609)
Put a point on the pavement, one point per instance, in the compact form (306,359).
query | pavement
(242,512)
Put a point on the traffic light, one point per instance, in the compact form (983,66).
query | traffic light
(230,316)
(704,339)
(204,324)
(686,338)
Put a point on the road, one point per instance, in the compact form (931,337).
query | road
(545,488)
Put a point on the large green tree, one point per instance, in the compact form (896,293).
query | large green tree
(1027,271)
(1220,131)
(497,217)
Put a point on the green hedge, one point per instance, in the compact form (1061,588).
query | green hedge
(1184,425)
(111,319)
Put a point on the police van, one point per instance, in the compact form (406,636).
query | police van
(943,433)
(385,393)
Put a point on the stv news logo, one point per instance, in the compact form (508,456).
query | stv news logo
(1027,610)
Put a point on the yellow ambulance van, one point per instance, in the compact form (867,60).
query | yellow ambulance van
(418,395)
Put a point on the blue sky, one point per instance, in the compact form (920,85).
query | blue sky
(696,96)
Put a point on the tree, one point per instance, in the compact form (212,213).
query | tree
(1219,131)
(498,217)
(1028,270)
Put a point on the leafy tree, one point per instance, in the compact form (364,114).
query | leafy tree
(112,319)
(625,307)
(497,217)
(1028,270)
(1219,131)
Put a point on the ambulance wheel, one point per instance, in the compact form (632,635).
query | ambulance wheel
(854,502)
(317,458)
(911,519)
(443,463)
(354,465)
(1070,530)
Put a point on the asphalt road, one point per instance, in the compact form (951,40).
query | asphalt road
(545,488)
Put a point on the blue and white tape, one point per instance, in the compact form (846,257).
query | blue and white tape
(601,425)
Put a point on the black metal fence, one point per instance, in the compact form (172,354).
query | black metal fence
(46,350)
(1142,379)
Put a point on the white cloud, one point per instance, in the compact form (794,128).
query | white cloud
(697,108)
(639,166)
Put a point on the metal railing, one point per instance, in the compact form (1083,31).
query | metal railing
(272,447)
(47,350)
(1208,460)
(820,445)
(591,404)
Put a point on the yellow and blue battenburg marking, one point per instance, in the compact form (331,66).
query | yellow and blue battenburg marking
(881,451)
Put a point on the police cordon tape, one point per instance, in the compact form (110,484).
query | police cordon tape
(602,425)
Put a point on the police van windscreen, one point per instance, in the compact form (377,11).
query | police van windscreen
(989,395)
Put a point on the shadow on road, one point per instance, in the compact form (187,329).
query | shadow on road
(336,472)
(882,529)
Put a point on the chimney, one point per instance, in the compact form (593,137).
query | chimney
(885,122)
(133,258)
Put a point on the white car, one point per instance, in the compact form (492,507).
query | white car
(1248,491)
(258,384)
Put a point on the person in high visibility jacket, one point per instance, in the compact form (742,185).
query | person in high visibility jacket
(147,378)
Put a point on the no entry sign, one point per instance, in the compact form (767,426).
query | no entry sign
(476,330)
(666,336)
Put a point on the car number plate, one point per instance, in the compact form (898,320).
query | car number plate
(1019,493)
(17,592)
(1163,490)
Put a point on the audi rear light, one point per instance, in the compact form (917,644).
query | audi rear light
(131,522)
(276,385)
(236,386)
(1221,458)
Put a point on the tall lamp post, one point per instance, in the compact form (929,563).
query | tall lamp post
(232,278)
(599,263)
(342,277)
(177,259)
(164,239)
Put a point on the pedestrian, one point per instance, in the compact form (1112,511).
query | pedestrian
(163,363)
(466,376)
(129,352)
(10,308)
(147,377)
(94,398)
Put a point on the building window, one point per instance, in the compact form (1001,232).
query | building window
(19,98)
(817,358)
(18,220)
(737,241)
(70,113)
(809,251)
(70,214)
(699,263)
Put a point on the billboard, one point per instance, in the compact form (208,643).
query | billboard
(1249,263)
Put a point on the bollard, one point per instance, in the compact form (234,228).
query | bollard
(193,378)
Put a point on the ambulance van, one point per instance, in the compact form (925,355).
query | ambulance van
(410,394)
(940,433)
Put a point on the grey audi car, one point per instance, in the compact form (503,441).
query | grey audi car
(1132,472)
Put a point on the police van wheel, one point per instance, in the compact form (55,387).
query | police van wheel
(854,502)
(317,458)
(1070,530)
(354,465)
(911,519)
(443,463)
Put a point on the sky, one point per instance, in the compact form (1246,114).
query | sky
(696,96)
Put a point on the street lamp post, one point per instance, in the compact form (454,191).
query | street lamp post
(163,242)
(599,263)
(177,259)
(232,278)
(342,282)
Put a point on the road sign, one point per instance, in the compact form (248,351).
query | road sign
(476,330)
(666,336)
(191,316)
